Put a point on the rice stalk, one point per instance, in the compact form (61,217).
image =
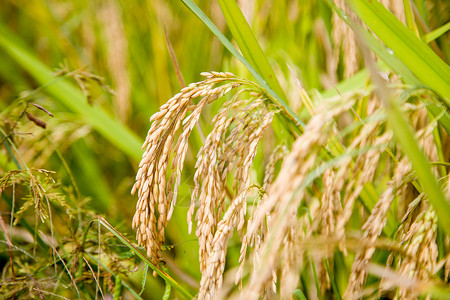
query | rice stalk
(230,147)
(117,56)
(283,201)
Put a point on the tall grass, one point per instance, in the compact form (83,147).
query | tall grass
(313,164)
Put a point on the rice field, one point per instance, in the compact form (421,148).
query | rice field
(224,150)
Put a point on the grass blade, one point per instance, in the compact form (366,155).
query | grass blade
(391,61)
(164,275)
(405,137)
(413,52)
(248,44)
(65,93)
(316,279)
(201,15)
(336,294)
(299,294)
(420,164)
(429,37)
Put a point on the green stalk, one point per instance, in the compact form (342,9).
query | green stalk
(413,52)
(169,280)
(431,36)
(274,97)
(391,61)
(248,44)
(336,294)
(420,164)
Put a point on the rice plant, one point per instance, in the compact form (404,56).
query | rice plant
(307,159)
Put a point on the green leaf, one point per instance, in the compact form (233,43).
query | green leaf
(248,44)
(422,168)
(431,36)
(336,294)
(169,280)
(201,15)
(388,60)
(72,98)
(299,294)
(316,279)
(414,53)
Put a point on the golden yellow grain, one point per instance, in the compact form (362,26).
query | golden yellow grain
(373,228)
(117,56)
(157,196)
(281,201)
(344,38)
(419,242)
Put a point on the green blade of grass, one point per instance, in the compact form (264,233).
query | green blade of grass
(227,44)
(128,287)
(336,293)
(299,294)
(316,279)
(420,164)
(405,137)
(380,50)
(72,98)
(413,52)
(248,44)
(431,36)
(390,61)
(409,17)
(164,275)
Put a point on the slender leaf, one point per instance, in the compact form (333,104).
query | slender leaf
(336,294)
(145,259)
(72,98)
(316,279)
(431,36)
(420,164)
(391,61)
(299,294)
(409,16)
(201,15)
(248,44)
(413,52)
